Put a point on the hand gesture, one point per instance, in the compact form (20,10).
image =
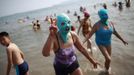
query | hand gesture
(53,28)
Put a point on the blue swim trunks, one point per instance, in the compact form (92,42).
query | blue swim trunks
(22,69)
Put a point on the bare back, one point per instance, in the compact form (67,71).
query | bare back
(17,55)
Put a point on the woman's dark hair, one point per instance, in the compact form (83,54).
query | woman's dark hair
(4,34)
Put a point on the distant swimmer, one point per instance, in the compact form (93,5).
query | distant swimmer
(46,19)
(68,11)
(120,6)
(81,9)
(38,24)
(104,6)
(78,19)
(103,30)
(115,4)
(75,13)
(15,57)
(35,28)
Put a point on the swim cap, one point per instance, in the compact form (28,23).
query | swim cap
(64,26)
(103,14)
(86,14)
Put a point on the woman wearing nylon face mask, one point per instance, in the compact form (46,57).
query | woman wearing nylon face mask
(63,43)
(103,30)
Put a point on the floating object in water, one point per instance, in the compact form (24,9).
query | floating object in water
(21,21)
(94,48)
(98,69)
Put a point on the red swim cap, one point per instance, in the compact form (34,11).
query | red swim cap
(72,28)
(86,14)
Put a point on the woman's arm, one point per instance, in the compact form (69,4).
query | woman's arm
(91,33)
(90,24)
(80,47)
(48,46)
(119,37)
(79,29)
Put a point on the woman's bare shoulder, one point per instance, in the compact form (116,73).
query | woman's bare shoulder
(74,35)
(96,25)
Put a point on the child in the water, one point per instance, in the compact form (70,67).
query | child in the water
(14,55)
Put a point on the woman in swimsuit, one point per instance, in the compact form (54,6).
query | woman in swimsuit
(103,30)
(64,42)
(85,24)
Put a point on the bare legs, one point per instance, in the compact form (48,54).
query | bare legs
(77,72)
(88,44)
(27,73)
(106,51)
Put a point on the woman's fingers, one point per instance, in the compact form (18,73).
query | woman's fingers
(125,43)
(97,64)
(53,29)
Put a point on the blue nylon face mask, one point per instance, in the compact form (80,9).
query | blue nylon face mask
(103,14)
(64,26)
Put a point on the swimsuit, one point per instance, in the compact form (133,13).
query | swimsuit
(65,60)
(85,28)
(22,69)
(103,37)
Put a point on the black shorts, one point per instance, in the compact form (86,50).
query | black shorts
(22,69)
(63,69)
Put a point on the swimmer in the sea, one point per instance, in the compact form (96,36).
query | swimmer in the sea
(75,13)
(114,4)
(35,28)
(68,11)
(85,24)
(120,6)
(46,19)
(104,6)
(103,30)
(78,19)
(15,56)
(81,9)
(63,42)
(38,24)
